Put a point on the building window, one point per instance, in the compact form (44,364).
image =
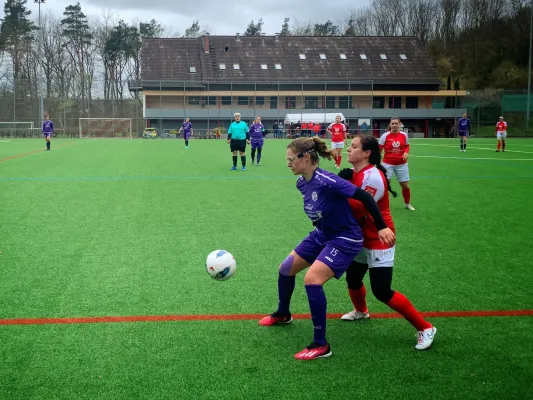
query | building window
(363,56)
(278,66)
(378,102)
(236,66)
(260,101)
(395,102)
(192,70)
(343,56)
(290,102)
(403,56)
(383,56)
(242,101)
(222,66)
(212,101)
(411,102)
(226,100)
(194,100)
(322,56)
(302,56)
(345,102)
(264,66)
(311,102)
(273,103)
(331,102)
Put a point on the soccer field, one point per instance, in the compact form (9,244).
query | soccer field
(104,293)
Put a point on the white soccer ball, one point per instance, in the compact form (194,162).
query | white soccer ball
(220,265)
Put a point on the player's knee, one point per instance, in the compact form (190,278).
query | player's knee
(352,277)
(286,266)
(312,278)
(382,292)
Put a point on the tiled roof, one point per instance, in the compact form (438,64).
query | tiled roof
(386,60)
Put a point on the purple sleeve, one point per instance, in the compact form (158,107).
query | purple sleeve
(337,184)
(52,125)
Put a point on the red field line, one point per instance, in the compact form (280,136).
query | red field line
(33,152)
(244,317)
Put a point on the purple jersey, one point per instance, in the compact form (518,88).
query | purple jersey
(187,126)
(464,125)
(256,132)
(48,127)
(326,204)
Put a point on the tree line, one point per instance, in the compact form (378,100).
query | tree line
(477,44)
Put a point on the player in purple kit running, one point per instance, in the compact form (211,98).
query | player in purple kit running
(187,131)
(330,248)
(257,133)
(48,130)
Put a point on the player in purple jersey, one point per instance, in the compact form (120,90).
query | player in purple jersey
(464,131)
(330,248)
(257,134)
(187,131)
(48,130)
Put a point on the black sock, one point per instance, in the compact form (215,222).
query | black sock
(48,145)
(235,161)
(187,143)
(243,161)
(464,146)
(461,145)
(253,155)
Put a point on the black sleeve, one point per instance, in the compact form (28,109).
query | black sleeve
(370,204)
(346,174)
(247,135)
(229,136)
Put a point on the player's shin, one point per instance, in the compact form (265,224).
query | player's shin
(318,306)
(286,285)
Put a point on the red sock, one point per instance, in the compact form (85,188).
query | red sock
(499,145)
(401,304)
(406,193)
(337,161)
(340,159)
(358,297)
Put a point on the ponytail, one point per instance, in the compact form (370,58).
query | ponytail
(389,188)
(314,146)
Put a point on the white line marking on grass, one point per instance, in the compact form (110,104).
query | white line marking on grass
(471,147)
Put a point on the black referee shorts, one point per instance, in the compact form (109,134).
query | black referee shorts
(237,145)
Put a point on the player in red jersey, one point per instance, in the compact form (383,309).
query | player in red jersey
(501,134)
(395,143)
(368,173)
(338,136)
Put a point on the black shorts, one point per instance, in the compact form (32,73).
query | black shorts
(237,145)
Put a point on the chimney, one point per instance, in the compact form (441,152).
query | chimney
(238,37)
(206,43)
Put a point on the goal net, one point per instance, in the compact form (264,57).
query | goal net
(18,129)
(105,128)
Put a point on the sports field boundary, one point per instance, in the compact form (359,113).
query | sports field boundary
(245,317)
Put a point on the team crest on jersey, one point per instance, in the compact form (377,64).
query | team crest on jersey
(395,143)
(314,196)
(371,190)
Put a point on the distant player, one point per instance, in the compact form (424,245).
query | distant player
(338,136)
(330,248)
(48,130)
(501,134)
(368,174)
(464,131)
(395,144)
(238,137)
(257,139)
(187,131)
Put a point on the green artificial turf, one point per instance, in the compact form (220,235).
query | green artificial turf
(123,227)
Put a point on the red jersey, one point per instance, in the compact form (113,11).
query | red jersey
(304,126)
(374,182)
(501,126)
(338,132)
(395,144)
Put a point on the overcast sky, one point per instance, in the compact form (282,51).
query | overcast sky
(219,16)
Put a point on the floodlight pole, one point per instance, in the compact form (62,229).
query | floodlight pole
(39,53)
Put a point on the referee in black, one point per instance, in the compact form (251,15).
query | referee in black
(238,137)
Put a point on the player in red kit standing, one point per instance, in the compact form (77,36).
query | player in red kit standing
(377,257)
(338,136)
(395,144)
(501,134)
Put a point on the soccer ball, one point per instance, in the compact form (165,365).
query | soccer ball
(220,265)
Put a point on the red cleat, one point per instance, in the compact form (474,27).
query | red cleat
(274,319)
(314,350)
